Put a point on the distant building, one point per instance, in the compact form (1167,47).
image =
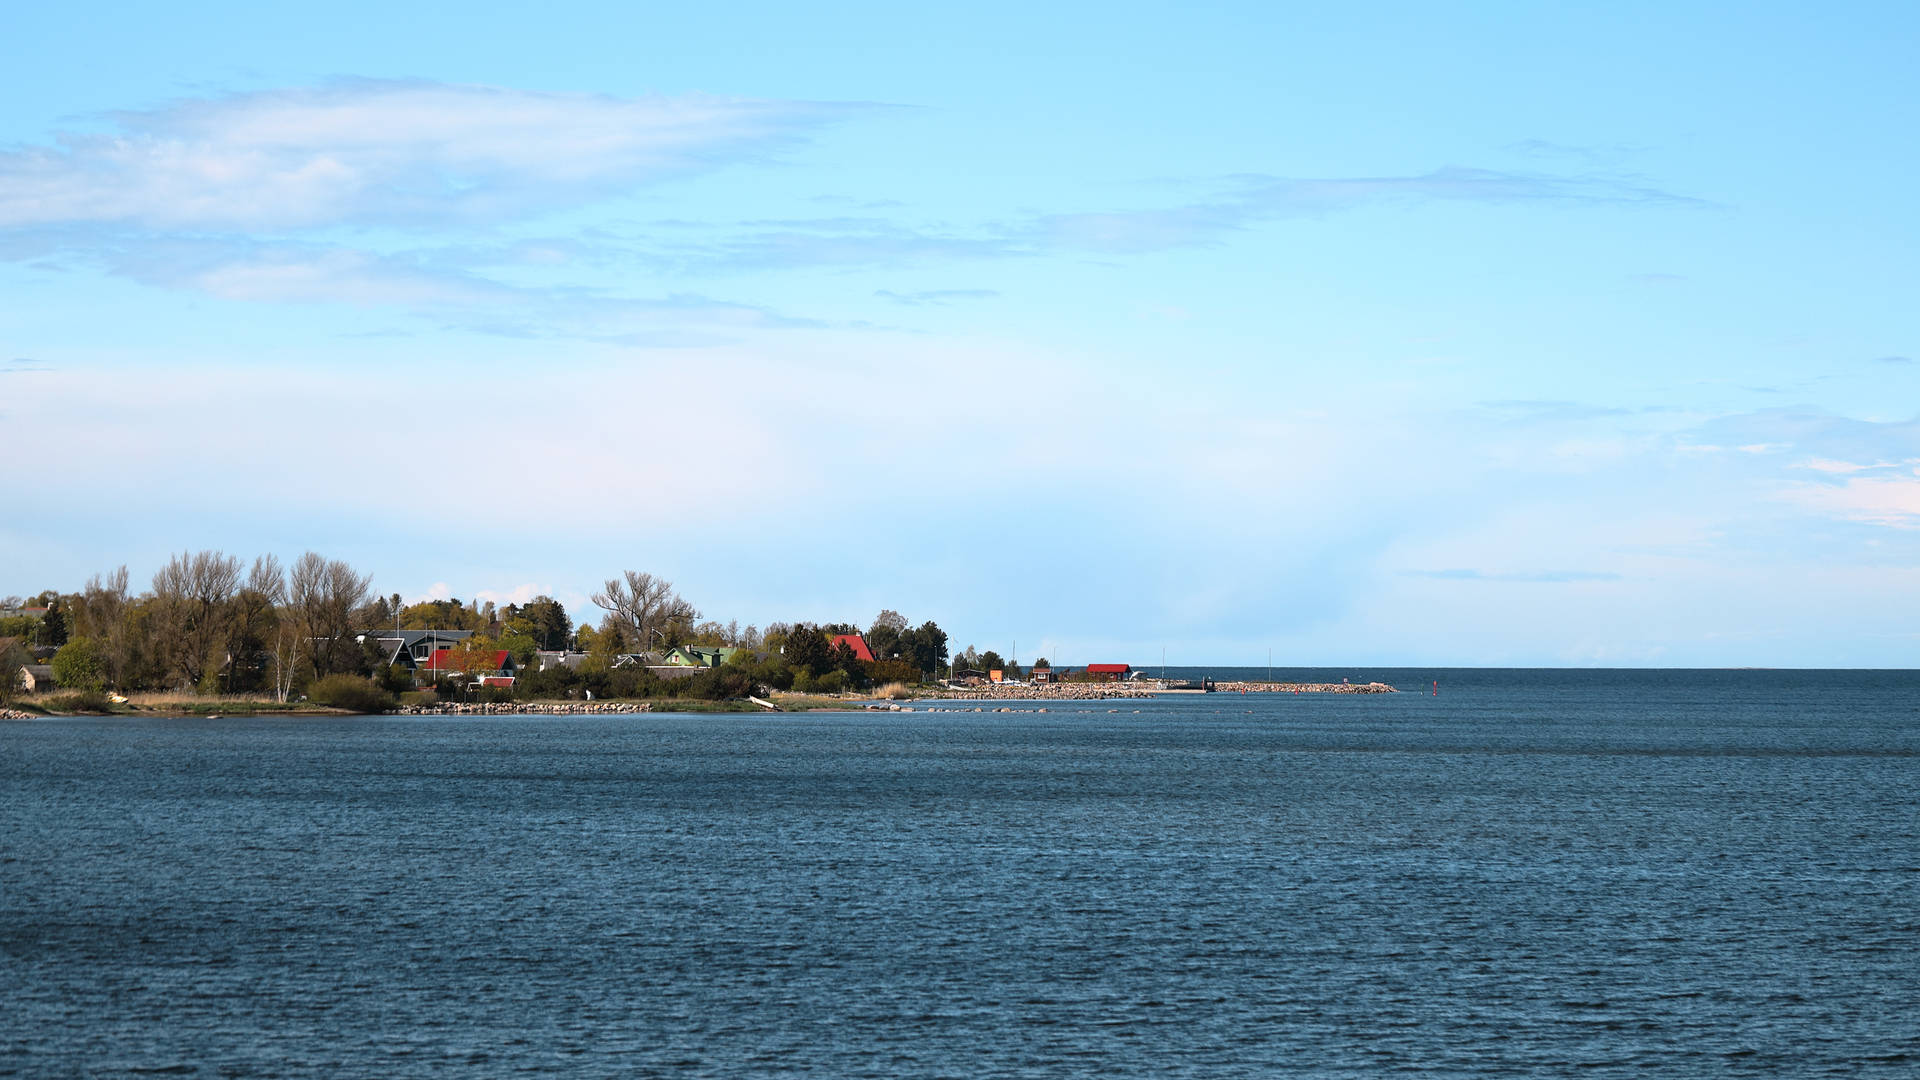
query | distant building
(37,678)
(553,658)
(1108,672)
(707,656)
(412,649)
(441,663)
(855,642)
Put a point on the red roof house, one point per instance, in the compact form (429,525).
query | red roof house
(1109,671)
(440,662)
(855,642)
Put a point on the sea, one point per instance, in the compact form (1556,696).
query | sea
(1490,873)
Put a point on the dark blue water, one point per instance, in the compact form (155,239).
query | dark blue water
(1535,873)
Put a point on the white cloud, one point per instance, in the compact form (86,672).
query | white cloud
(373,151)
(1891,501)
(519,594)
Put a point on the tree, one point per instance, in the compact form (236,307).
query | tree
(647,609)
(806,649)
(53,625)
(883,637)
(925,646)
(253,615)
(1042,665)
(547,620)
(991,661)
(191,593)
(77,665)
(103,616)
(322,595)
(13,657)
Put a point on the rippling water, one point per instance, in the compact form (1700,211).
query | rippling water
(1677,873)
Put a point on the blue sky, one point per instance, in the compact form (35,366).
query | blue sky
(1495,334)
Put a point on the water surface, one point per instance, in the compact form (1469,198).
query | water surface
(1620,872)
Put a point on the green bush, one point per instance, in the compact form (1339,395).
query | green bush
(77,666)
(352,693)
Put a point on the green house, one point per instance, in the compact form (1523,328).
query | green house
(698,655)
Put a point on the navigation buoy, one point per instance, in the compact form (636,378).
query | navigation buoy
(1436,688)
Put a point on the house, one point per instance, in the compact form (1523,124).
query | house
(553,658)
(28,612)
(413,648)
(37,678)
(441,663)
(855,642)
(1042,675)
(1108,672)
(698,655)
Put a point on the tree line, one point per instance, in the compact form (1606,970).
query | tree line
(213,623)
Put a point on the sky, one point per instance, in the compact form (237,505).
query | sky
(1385,334)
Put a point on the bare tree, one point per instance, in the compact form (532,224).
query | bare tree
(286,659)
(191,594)
(322,595)
(253,615)
(102,616)
(644,606)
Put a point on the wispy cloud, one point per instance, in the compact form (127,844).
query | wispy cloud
(1894,360)
(21,365)
(1892,501)
(935,297)
(1250,199)
(381,152)
(1530,411)
(1534,577)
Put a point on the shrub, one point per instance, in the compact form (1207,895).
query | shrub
(77,666)
(893,691)
(87,701)
(352,693)
(830,683)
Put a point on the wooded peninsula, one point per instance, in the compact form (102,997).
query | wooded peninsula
(213,633)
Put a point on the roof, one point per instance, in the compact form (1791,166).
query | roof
(855,642)
(1109,669)
(410,638)
(440,661)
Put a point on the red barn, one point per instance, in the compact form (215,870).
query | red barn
(1109,672)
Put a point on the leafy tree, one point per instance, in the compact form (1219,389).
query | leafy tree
(77,666)
(1042,665)
(520,646)
(547,620)
(991,661)
(806,649)
(883,637)
(925,646)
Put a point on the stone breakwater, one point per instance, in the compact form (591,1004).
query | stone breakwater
(525,708)
(14,714)
(1302,688)
(1047,692)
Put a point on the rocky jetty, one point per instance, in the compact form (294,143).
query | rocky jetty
(1302,688)
(1048,692)
(525,708)
(15,714)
